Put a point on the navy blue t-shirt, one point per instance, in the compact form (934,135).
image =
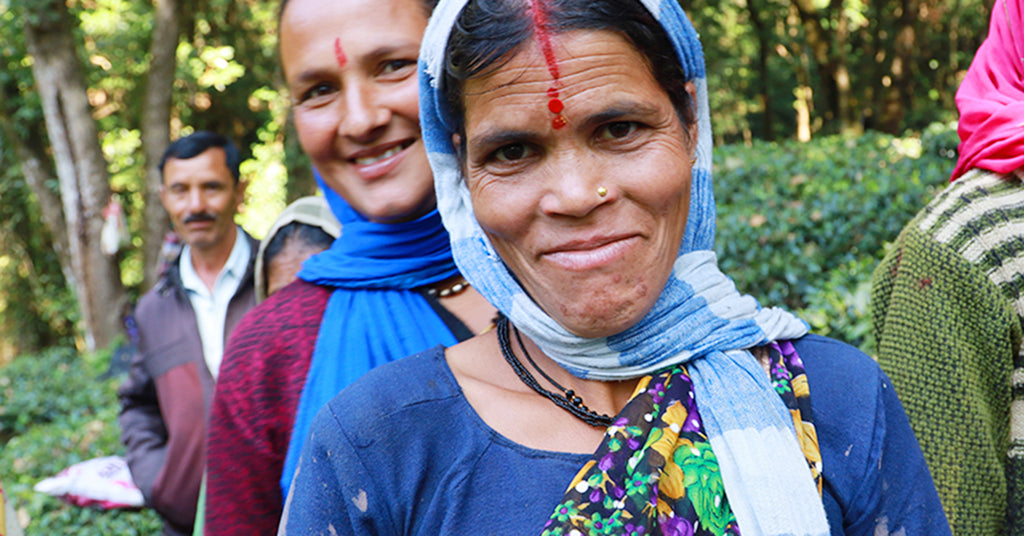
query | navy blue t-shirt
(402,452)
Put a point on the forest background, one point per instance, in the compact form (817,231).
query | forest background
(834,122)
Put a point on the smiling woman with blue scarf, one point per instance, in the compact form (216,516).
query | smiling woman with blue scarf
(628,388)
(386,288)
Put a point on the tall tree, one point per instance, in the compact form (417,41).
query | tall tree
(90,93)
(156,128)
(81,168)
(899,81)
(764,32)
(822,27)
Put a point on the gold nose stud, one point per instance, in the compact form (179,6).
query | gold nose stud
(602,191)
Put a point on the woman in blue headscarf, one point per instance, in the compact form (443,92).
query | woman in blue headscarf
(388,287)
(628,388)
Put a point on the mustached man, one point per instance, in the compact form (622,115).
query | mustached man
(184,322)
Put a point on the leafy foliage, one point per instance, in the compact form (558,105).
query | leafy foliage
(37,309)
(759,54)
(803,225)
(54,412)
(904,59)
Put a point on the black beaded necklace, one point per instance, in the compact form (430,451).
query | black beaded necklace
(568,401)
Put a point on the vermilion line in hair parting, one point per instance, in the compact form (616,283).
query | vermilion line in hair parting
(339,53)
(543,33)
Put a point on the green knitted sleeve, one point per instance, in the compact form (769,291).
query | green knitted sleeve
(947,337)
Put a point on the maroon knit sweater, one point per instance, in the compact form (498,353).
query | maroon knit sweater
(261,379)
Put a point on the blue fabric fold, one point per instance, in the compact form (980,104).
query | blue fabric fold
(374,314)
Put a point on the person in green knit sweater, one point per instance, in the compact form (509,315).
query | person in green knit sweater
(948,300)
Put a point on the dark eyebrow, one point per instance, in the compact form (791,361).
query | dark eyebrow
(392,50)
(309,75)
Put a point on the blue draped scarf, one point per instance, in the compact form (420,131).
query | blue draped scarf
(699,319)
(373,316)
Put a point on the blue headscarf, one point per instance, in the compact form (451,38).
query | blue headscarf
(373,316)
(699,319)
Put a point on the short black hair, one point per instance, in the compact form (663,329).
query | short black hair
(196,143)
(299,233)
(488,33)
(296,233)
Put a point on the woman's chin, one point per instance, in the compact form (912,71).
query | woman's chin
(596,326)
(397,212)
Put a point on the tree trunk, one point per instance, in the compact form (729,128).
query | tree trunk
(898,90)
(156,121)
(803,94)
(764,37)
(820,39)
(81,168)
(844,93)
(34,168)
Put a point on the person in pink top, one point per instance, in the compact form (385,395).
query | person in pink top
(947,301)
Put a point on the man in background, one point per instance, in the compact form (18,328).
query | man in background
(184,322)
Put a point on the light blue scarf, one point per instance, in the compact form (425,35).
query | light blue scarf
(699,319)
(373,316)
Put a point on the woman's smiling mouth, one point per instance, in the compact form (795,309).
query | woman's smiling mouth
(591,254)
(381,161)
(363,159)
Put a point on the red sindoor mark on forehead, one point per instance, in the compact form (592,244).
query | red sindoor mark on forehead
(339,53)
(540,23)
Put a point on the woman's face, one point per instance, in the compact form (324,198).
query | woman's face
(350,66)
(595,263)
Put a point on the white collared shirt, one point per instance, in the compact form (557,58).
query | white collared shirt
(211,308)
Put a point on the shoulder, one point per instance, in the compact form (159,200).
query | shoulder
(397,390)
(298,306)
(850,396)
(417,392)
(953,258)
(845,386)
(402,414)
(279,333)
(865,439)
(162,315)
(829,360)
(844,381)
(154,301)
(975,206)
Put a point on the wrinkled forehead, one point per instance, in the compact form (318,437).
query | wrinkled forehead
(587,71)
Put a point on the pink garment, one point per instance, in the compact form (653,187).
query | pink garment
(991,97)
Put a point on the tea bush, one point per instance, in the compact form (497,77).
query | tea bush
(55,412)
(804,224)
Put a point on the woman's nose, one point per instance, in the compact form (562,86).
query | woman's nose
(364,116)
(575,187)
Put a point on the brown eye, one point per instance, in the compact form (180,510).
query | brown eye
(512,152)
(395,66)
(315,91)
(617,130)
